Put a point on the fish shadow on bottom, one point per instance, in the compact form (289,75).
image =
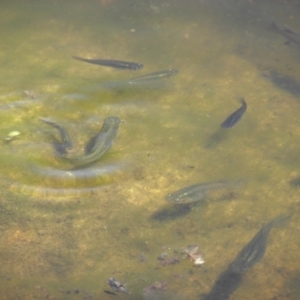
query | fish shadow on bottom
(215,139)
(171,212)
(224,286)
(248,257)
(284,82)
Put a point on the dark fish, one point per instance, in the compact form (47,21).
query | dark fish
(95,148)
(118,64)
(288,33)
(286,83)
(251,254)
(65,143)
(154,76)
(254,251)
(100,144)
(105,136)
(197,192)
(236,116)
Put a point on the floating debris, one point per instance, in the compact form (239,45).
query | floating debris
(117,286)
(11,136)
(193,254)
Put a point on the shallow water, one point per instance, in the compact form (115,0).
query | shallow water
(65,231)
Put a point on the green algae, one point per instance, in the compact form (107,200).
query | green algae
(62,231)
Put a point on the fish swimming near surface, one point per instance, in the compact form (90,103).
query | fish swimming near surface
(62,146)
(254,251)
(251,254)
(95,148)
(118,64)
(198,191)
(235,116)
(154,76)
(288,33)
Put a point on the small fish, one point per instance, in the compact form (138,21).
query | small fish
(66,143)
(235,116)
(154,76)
(254,251)
(288,33)
(100,143)
(118,64)
(197,192)
(95,148)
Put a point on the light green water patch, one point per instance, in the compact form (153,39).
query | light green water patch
(77,228)
(31,161)
(41,55)
(35,147)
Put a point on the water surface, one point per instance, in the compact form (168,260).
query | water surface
(65,230)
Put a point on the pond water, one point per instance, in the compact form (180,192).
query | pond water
(67,229)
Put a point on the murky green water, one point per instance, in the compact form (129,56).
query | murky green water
(65,231)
